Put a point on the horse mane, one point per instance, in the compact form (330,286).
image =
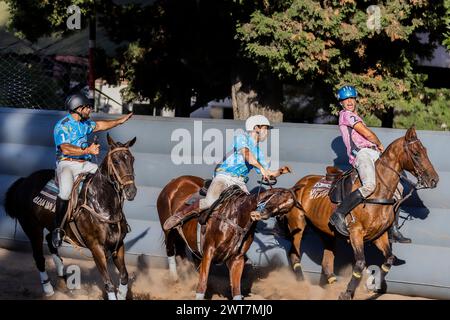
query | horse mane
(230,196)
(390,146)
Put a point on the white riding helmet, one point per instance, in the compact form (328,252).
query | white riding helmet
(258,120)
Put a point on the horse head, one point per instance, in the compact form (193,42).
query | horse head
(276,201)
(120,166)
(415,160)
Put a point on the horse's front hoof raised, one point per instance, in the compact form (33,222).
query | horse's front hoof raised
(297,268)
(345,296)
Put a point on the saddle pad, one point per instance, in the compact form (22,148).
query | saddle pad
(47,196)
(321,188)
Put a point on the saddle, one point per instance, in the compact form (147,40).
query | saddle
(200,194)
(342,183)
(47,196)
(204,214)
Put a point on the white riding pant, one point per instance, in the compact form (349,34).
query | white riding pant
(68,171)
(219,183)
(365,164)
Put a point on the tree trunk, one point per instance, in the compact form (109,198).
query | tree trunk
(181,101)
(247,100)
(387,118)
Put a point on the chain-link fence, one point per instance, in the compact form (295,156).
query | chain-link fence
(38,80)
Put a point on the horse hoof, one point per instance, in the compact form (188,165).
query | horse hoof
(173,278)
(48,289)
(122,292)
(112,296)
(238,297)
(298,272)
(199,296)
(345,296)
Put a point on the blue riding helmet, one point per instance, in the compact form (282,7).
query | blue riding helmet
(346,92)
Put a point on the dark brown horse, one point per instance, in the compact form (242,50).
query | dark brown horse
(229,231)
(367,222)
(98,215)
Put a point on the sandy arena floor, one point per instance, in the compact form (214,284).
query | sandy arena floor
(19,279)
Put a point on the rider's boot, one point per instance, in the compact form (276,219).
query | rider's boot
(180,216)
(338,218)
(396,236)
(60,212)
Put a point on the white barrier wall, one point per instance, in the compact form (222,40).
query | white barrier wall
(26,145)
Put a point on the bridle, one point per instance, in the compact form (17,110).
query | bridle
(417,168)
(113,172)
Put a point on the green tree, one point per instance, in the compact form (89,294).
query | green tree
(331,43)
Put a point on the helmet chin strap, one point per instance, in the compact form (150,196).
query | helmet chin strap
(83,118)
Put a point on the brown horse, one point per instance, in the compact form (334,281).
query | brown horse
(98,217)
(228,232)
(367,222)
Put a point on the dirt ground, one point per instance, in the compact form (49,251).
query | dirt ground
(19,279)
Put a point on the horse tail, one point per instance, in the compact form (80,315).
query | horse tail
(10,199)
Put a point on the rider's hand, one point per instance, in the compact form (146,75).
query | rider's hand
(93,149)
(266,174)
(125,118)
(284,169)
(381,148)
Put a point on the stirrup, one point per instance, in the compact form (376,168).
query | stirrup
(339,224)
(58,235)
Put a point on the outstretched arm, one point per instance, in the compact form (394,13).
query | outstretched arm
(102,125)
(368,134)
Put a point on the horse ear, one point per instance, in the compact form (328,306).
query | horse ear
(110,140)
(411,133)
(130,143)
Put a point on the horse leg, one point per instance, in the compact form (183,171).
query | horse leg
(383,244)
(98,253)
(204,272)
(119,261)
(328,259)
(58,261)
(297,224)
(236,266)
(357,241)
(36,236)
(170,250)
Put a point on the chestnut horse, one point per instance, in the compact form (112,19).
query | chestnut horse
(367,222)
(228,232)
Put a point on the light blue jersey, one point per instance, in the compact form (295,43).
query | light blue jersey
(68,130)
(235,164)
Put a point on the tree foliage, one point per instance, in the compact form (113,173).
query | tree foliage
(330,43)
(173,50)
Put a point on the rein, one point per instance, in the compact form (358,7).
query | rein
(413,185)
(112,172)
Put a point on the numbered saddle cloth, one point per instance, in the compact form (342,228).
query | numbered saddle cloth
(47,196)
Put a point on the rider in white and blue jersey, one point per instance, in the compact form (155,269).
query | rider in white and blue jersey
(245,155)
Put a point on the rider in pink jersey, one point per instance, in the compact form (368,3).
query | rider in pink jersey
(363,149)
